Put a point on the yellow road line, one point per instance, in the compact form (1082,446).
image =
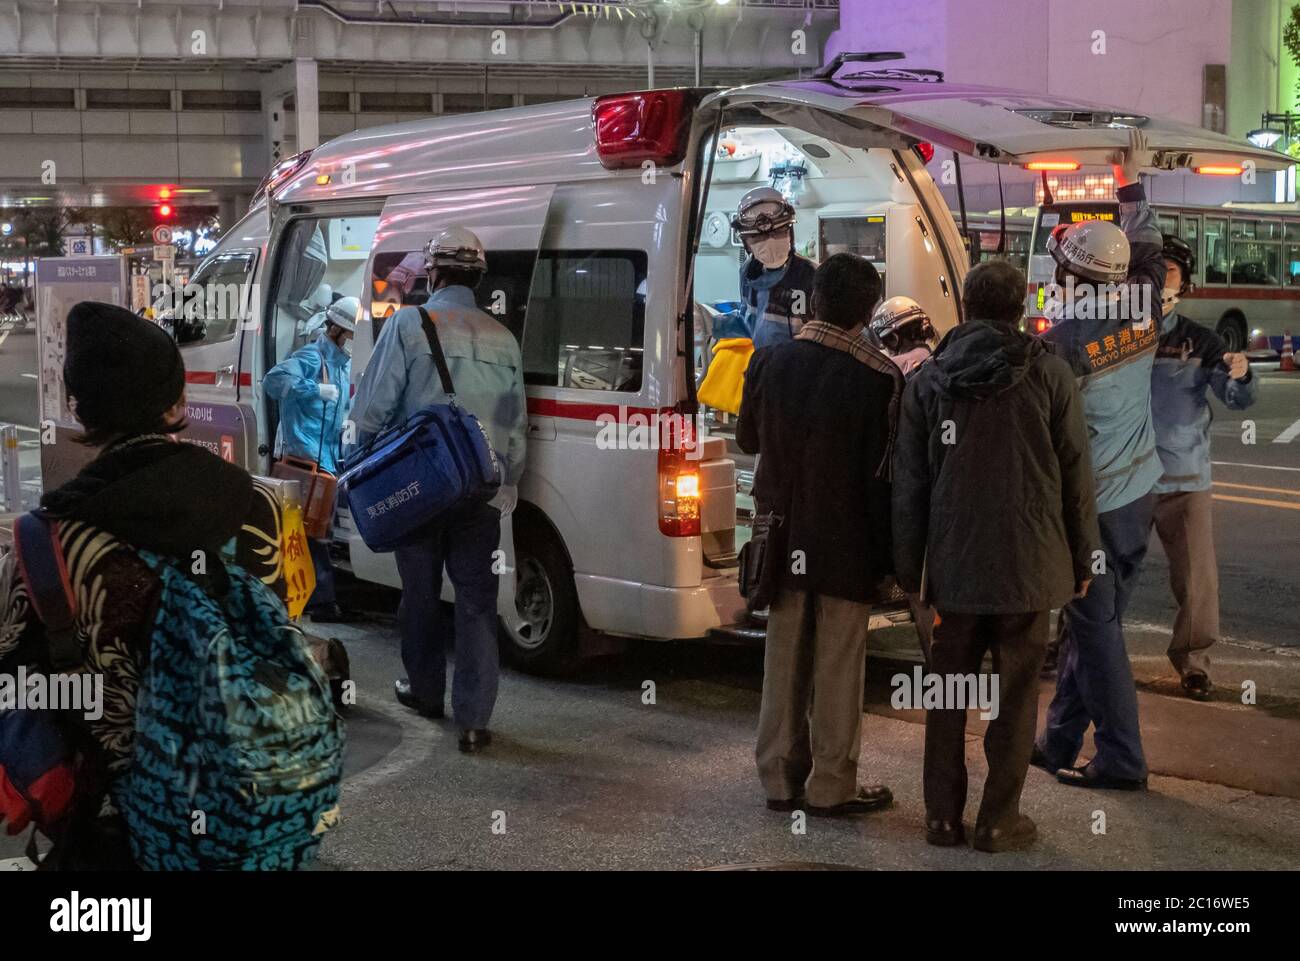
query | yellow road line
(1263,490)
(1256,500)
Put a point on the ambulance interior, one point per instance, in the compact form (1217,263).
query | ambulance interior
(847,199)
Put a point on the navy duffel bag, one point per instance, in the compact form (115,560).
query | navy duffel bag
(418,472)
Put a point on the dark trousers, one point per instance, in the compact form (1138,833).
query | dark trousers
(1018,643)
(464,544)
(323,595)
(1094,681)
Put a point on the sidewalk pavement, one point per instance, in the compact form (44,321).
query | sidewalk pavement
(584,774)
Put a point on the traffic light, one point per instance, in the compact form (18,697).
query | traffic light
(164,211)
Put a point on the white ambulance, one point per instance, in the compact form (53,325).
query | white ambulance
(603,232)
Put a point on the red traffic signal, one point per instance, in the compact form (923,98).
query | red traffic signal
(164,210)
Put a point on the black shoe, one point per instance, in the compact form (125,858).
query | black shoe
(475,740)
(1038,759)
(1198,687)
(333,614)
(1083,777)
(1020,835)
(786,804)
(868,799)
(407,698)
(944,834)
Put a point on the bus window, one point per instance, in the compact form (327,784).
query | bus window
(1291,264)
(1256,253)
(1167,224)
(1191,234)
(1216,250)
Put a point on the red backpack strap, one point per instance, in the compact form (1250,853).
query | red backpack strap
(45,573)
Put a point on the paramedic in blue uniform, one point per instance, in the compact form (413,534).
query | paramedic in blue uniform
(1106,326)
(1191,360)
(313,387)
(775,282)
(487,372)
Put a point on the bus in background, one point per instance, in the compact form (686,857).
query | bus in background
(984,241)
(1247,281)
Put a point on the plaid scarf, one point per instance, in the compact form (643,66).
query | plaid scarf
(836,338)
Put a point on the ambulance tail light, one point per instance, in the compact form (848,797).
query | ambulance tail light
(679,477)
(1042,325)
(924,150)
(276,176)
(632,128)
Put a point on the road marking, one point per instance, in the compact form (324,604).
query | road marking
(32,376)
(3,337)
(1228,463)
(1288,435)
(1256,500)
(1262,490)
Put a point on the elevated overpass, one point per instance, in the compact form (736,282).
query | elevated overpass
(103,102)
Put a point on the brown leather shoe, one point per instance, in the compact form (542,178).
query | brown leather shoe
(870,797)
(1021,834)
(944,834)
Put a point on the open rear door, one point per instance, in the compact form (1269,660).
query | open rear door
(1016,127)
(509,221)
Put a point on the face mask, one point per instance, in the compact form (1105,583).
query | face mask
(771,253)
(1169,298)
(346,346)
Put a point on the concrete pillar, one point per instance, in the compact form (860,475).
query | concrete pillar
(273,111)
(307,103)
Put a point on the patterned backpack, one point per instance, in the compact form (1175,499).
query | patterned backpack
(238,751)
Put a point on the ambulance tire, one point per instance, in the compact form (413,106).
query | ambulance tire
(1232,328)
(546,596)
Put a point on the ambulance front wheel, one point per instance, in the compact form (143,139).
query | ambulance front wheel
(544,639)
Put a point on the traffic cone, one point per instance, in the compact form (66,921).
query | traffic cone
(1288,353)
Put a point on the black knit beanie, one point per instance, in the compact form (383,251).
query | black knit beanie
(123,371)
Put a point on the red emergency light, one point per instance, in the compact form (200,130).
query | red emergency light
(924,150)
(1052,165)
(1220,170)
(632,128)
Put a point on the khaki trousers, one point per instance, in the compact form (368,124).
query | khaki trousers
(1185,523)
(810,724)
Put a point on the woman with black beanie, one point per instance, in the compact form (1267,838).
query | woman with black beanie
(145,489)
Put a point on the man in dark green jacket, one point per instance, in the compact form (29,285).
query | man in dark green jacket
(995,522)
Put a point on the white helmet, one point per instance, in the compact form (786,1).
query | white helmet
(900,320)
(344,313)
(761,211)
(321,296)
(455,247)
(1095,250)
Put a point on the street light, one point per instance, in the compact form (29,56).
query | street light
(1264,137)
(1267,135)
